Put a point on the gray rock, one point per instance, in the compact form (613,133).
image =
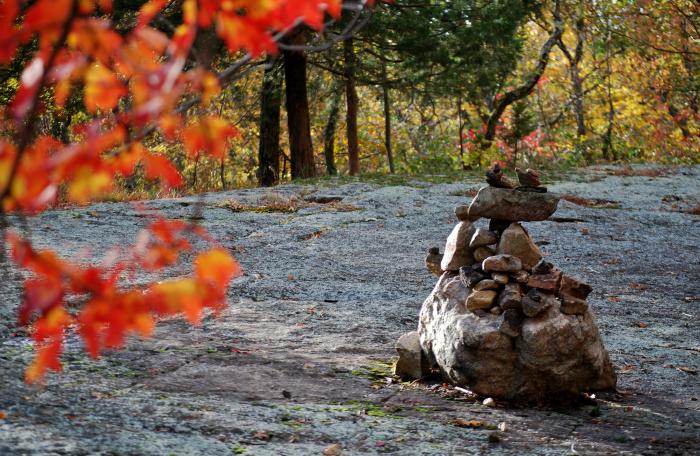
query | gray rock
(412,363)
(543,359)
(483,237)
(511,297)
(481,299)
(573,306)
(512,322)
(471,277)
(515,241)
(513,205)
(534,302)
(502,263)
(500,278)
(457,252)
(487,284)
(548,282)
(433,260)
(574,287)
(481,253)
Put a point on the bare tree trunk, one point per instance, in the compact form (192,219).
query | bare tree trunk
(298,119)
(527,87)
(387,116)
(330,129)
(269,146)
(608,149)
(352,106)
(461,133)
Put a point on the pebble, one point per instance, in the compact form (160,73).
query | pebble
(502,263)
(500,278)
(487,284)
(481,253)
(489,402)
(549,281)
(483,237)
(481,299)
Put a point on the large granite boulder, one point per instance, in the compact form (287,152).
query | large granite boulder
(549,357)
(513,205)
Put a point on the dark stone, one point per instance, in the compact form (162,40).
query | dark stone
(512,323)
(574,287)
(542,267)
(470,277)
(549,282)
(498,225)
(533,303)
(511,297)
(573,306)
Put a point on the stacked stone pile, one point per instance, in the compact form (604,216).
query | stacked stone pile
(502,320)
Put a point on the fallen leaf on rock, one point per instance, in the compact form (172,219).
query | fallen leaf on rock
(261,435)
(293,438)
(502,426)
(461,422)
(584,230)
(3,415)
(627,369)
(641,324)
(332,450)
(638,286)
(687,370)
(291,278)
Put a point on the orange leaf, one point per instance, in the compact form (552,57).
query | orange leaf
(217,266)
(159,167)
(102,88)
(210,135)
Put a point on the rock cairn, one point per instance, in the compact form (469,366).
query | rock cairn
(502,320)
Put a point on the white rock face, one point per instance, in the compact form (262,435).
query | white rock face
(554,354)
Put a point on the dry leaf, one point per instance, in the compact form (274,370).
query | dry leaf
(333,450)
(461,422)
(3,415)
(687,370)
(641,324)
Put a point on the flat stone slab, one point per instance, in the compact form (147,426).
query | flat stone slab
(513,205)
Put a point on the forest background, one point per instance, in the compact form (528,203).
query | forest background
(413,89)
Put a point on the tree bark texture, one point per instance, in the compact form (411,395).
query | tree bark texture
(269,146)
(298,119)
(330,129)
(352,107)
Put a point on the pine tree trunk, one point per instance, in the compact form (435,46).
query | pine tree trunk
(269,146)
(298,119)
(352,106)
(387,116)
(330,129)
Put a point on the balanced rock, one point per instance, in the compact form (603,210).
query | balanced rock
(481,253)
(526,359)
(412,363)
(483,237)
(512,322)
(573,306)
(462,213)
(515,241)
(549,281)
(481,299)
(500,278)
(470,277)
(457,252)
(542,267)
(496,178)
(528,178)
(534,303)
(433,260)
(513,205)
(502,263)
(511,297)
(574,287)
(487,284)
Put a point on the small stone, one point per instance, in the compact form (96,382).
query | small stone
(513,205)
(481,253)
(470,277)
(542,267)
(549,282)
(496,178)
(573,306)
(462,213)
(528,178)
(457,252)
(489,402)
(512,323)
(516,242)
(533,303)
(502,426)
(481,299)
(574,287)
(511,297)
(433,260)
(494,438)
(520,276)
(496,310)
(487,284)
(412,362)
(483,237)
(502,263)
(500,278)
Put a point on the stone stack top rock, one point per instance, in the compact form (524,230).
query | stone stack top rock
(513,205)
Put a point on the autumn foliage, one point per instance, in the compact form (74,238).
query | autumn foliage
(132,84)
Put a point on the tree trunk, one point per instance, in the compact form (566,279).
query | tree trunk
(608,149)
(329,130)
(269,146)
(352,102)
(298,119)
(460,121)
(387,115)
